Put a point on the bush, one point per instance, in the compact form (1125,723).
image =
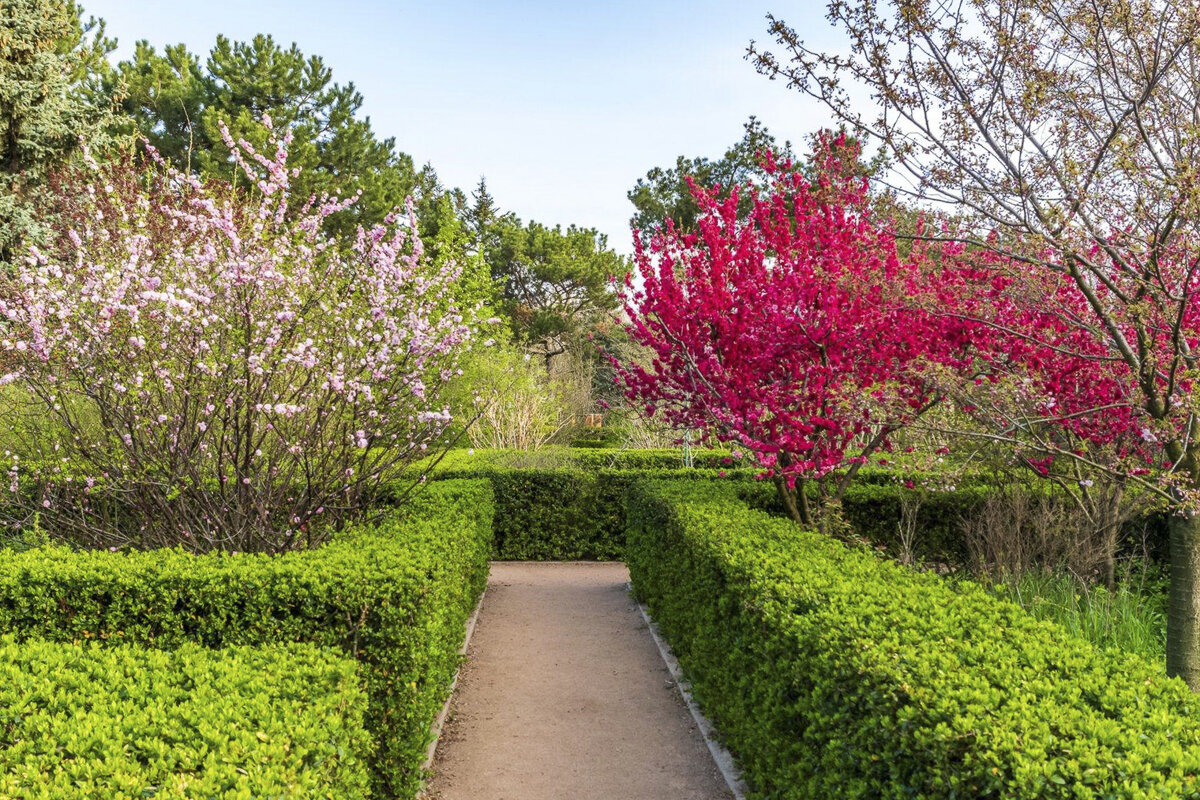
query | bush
(583,458)
(535,522)
(831,673)
(557,505)
(240,378)
(657,459)
(874,510)
(101,722)
(394,596)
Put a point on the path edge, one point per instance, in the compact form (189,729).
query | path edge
(440,722)
(722,757)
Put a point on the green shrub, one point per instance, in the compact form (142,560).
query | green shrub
(110,722)
(873,510)
(656,459)
(560,504)
(588,458)
(831,673)
(567,513)
(394,596)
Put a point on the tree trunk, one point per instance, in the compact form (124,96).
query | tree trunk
(1110,535)
(1183,605)
(795,500)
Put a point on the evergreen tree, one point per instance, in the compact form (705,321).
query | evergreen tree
(176,102)
(664,193)
(481,216)
(47,56)
(555,284)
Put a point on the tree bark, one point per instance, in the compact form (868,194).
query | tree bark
(795,500)
(1183,609)
(1110,534)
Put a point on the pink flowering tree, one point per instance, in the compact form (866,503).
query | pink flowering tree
(788,334)
(191,363)
(1068,128)
(1045,384)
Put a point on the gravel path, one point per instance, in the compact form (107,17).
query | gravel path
(565,696)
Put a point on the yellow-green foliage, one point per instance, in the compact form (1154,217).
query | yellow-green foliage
(85,721)
(394,596)
(831,673)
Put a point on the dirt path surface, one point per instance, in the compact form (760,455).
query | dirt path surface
(564,697)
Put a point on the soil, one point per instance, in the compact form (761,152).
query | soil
(564,695)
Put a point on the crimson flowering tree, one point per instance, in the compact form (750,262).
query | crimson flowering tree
(1047,383)
(1067,128)
(788,334)
(216,368)
(1040,375)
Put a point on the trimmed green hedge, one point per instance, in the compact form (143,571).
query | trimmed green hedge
(395,597)
(560,505)
(567,503)
(108,722)
(831,673)
(581,457)
(570,513)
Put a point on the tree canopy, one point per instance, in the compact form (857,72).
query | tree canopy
(555,283)
(1062,134)
(47,53)
(664,193)
(177,101)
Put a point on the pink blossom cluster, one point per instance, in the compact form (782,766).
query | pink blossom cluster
(191,334)
(1047,369)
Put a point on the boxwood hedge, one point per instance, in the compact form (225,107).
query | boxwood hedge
(570,513)
(559,504)
(125,721)
(394,596)
(831,673)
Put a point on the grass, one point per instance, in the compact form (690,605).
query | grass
(1132,616)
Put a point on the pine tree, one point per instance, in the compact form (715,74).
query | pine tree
(178,102)
(47,56)
(481,216)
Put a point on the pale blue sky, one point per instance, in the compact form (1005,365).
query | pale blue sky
(562,106)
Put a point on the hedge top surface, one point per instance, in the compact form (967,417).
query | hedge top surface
(579,457)
(463,462)
(108,722)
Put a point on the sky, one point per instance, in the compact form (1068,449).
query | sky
(562,106)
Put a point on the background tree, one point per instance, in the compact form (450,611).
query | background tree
(555,284)
(48,53)
(1064,135)
(481,217)
(664,193)
(178,103)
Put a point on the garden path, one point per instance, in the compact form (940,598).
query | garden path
(564,695)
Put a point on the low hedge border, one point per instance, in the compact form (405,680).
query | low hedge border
(559,504)
(569,513)
(832,673)
(555,505)
(125,721)
(394,596)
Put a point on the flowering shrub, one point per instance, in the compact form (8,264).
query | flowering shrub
(219,367)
